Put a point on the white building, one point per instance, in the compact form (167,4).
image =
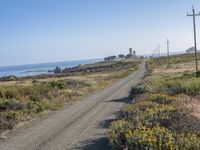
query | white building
(191,50)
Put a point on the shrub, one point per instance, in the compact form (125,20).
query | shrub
(187,141)
(7,120)
(173,85)
(72,84)
(162,98)
(155,82)
(188,75)
(35,97)
(138,107)
(143,138)
(11,104)
(41,107)
(148,113)
(116,134)
(10,93)
(1,94)
(140,89)
(34,81)
(189,86)
(37,107)
(125,135)
(197,74)
(158,120)
(57,84)
(160,138)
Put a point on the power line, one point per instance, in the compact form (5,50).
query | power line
(194,15)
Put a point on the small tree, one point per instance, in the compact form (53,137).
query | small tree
(121,56)
(110,58)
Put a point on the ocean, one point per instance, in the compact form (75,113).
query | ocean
(43,68)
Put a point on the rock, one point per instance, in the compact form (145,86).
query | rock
(57,70)
(8,78)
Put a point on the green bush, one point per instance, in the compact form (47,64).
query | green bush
(159,119)
(135,91)
(35,81)
(138,107)
(116,133)
(189,86)
(58,84)
(197,74)
(155,123)
(10,93)
(162,98)
(188,75)
(35,97)
(143,138)
(41,107)
(160,138)
(166,113)
(173,84)
(7,120)
(125,135)
(148,113)
(11,104)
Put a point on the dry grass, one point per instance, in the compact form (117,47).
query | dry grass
(23,100)
(192,104)
(176,68)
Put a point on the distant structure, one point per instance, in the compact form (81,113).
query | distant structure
(134,53)
(191,50)
(130,51)
(131,54)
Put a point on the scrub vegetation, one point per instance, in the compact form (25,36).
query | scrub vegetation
(25,99)
(165,112)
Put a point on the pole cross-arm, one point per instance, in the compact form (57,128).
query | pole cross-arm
(191,15)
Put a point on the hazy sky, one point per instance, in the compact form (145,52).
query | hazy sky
(34,31)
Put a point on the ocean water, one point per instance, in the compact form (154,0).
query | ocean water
(43,68)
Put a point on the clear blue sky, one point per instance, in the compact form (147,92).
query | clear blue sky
(36,31)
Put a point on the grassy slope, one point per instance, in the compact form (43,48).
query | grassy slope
(165,114)
(25,99)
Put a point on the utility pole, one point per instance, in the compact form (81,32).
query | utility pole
(153,53)
(168,52)
(194,15)
(156,52)
(159,50)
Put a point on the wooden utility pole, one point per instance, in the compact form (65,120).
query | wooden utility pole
(159,50)
(194,15)
(156,52)
(167,52)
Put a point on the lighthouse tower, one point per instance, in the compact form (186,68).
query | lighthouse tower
(130,51)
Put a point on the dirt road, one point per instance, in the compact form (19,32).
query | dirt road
(79,126)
